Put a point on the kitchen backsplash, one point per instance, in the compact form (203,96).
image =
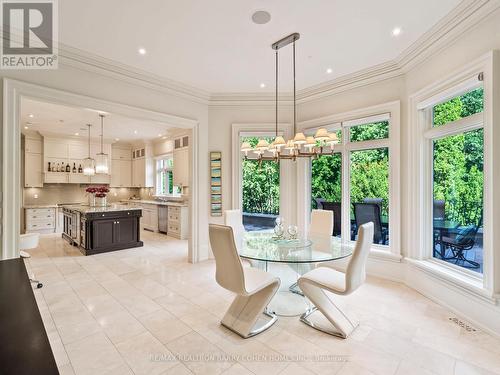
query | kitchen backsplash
(55,193)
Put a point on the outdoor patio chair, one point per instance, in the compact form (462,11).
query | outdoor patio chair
(459,242)
(370,212)
(336,207)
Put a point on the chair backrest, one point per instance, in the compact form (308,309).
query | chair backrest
(234,219)
(438,210)
(228,268)
(356,269)
(319,203)
(28,241)
(336,207)
(373,200)
(321,222)
(369,212)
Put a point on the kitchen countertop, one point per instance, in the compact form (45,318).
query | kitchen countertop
(108,208)
(159,203)
(41,206)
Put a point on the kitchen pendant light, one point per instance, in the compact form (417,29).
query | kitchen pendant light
(102,159)
(301,145)
(89,163)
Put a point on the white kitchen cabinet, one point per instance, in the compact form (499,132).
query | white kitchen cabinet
(121,173)
(149,220)
(178,223)
(40,220)
(55,178)
(181,167)
(33,145)
(121,153)
(78,178)
(143,172)
(55,149)
(33,173)
(100,179)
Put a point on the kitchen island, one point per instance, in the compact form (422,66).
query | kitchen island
(110,228)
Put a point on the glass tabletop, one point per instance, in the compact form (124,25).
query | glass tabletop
(261,245)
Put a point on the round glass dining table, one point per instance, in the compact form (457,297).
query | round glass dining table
(288,259)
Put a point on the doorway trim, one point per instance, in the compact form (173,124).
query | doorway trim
(11,199)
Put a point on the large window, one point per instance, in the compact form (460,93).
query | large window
(359,182)
(457,180)
(260,191)
(165,176)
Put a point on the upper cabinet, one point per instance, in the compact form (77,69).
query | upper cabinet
(121,167)
(181,161)
(143,167)
(65,158)
(33,160)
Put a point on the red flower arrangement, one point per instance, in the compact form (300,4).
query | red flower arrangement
(98,191)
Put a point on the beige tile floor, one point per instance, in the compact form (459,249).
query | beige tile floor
(148,311)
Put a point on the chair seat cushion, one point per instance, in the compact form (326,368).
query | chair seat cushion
(256,279)
(326,278)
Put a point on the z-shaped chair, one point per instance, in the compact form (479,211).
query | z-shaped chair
(314,284)
(254,288)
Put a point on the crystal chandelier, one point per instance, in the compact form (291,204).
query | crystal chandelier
(102,159)
(300,146)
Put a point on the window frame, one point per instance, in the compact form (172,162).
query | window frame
(387,112)
(158,171)
(431,134)
(287,172)
(420,193)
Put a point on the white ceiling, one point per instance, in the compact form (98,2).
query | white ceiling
(213,45)
(67,121)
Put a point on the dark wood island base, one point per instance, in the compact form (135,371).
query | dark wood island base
(109,229)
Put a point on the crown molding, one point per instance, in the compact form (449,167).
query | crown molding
(260,100)
(462,18)
(76,58)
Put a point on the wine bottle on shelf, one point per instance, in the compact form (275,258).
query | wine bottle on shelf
(68,168)
(50,168)
(80,169)
(74,168)
(63,168)
(58,169)
(53,167)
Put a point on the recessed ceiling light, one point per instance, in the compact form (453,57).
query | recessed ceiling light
(26,127)
(142,51)
(117,139)
(262,85)
(135,131)
(396,31)
(31,115)
(159,135)
(329,71)
(163,137)
(77,134)
(261,17)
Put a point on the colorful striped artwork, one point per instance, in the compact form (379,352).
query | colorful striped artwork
(216,183)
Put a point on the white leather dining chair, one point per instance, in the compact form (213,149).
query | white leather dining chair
(234,219)
(26,242)
(321,222)
(314,284)
(254,288)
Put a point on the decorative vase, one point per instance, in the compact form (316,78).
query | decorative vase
(101,202)
(91,200)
